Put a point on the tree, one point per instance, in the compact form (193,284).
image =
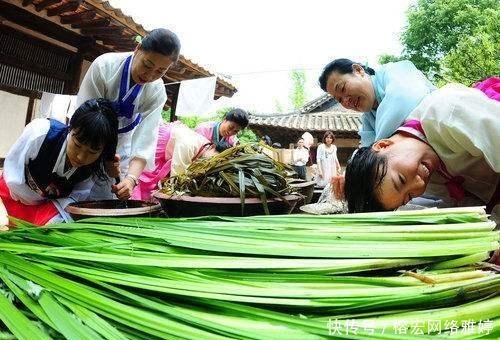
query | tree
(436,27)
(388,58)
(298,93)
(475,57)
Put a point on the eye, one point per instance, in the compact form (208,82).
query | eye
(343,88)
(402,179)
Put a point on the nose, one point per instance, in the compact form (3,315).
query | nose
(416,187)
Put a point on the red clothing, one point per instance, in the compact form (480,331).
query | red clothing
(37,214)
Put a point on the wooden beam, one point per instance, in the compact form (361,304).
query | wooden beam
(77,17)
(27,2)
(103,31)
(123,47)
(21,92)
(100,22)
(116,40)
(44,4)
(70,6)
(31,21)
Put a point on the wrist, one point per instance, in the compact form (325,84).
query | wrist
(133,179)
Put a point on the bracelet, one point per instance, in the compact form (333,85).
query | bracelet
(133,178)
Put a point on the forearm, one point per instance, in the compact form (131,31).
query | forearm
(136,166)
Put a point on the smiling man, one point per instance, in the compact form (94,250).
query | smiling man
(448,148)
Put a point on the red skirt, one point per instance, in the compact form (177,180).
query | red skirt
(37,214)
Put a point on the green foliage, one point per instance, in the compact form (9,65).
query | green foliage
(298,93)
(388,58)
(475,57)
(165,114)
(192,122)
(436,27)
(247,136)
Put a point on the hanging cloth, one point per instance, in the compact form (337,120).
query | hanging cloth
(125,103)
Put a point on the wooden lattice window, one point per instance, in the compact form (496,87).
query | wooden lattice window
(33,64)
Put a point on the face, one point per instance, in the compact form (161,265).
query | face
(80,154)
(410,164)
(228,128)
(209,152)
(352,90)
(149,66)
(300,143)
(328,140)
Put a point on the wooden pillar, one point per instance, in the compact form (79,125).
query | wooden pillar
(71,86)
(173,90)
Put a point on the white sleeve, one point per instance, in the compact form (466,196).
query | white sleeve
(24,149)
(92,85)
(145,135)
(320,153)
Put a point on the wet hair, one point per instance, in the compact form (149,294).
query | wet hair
(95,124)
(364,174)
(162,41)
(266,139)
(341,66)
(329,133)
(238,116)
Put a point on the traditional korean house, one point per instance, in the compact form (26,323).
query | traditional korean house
(316,117)
(48,45)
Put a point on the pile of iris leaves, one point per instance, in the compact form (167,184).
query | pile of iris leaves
(241,171)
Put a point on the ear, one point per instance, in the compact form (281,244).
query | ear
(382,144)
(358,69)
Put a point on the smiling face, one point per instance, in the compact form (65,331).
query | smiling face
(229,128)
(149,66)
(80,154)
(352,90)
(410,164)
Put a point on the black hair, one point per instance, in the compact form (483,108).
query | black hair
(95,124)
(238,116)
(266,139)
(162,41)
(363,176)
(329,133)
(341,66)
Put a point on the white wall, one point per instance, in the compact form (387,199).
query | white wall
(12,118)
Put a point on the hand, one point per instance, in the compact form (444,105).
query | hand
(113,167)
(123,190)
(338,186)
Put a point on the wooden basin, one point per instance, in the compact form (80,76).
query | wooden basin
(112,208)
(189,206)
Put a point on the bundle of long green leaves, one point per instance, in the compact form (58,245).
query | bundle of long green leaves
(264,277)
(241,171)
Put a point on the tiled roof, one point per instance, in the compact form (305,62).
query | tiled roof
(335,118)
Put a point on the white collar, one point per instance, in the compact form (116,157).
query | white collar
(61,161)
